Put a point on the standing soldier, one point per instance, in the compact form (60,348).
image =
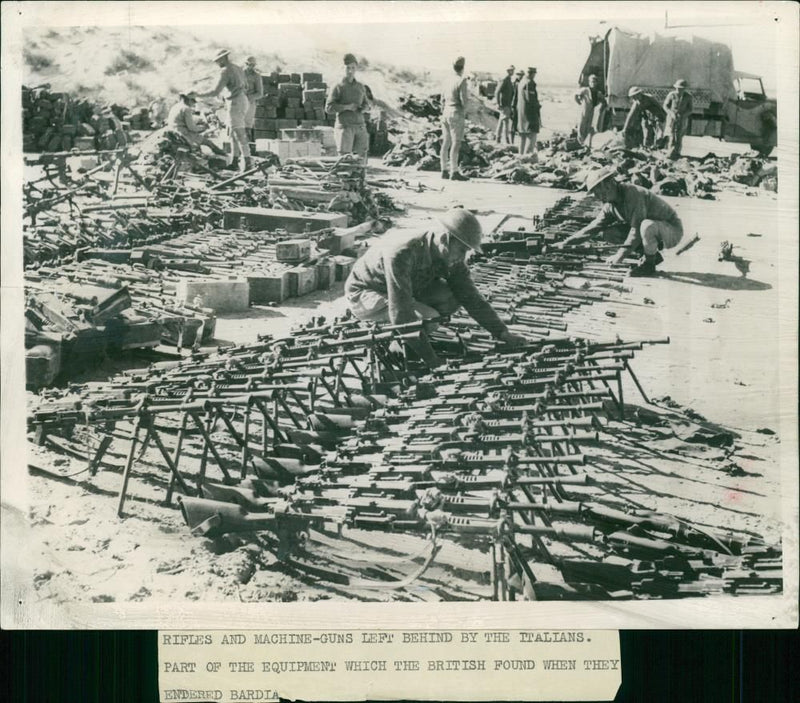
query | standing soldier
(528,112)
(678,106)
(254,91)
(505,97)
(454,112)
(232,79)
(348,101)
(517,79)
(588,98)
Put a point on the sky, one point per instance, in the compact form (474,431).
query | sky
(553,36)
(557,47)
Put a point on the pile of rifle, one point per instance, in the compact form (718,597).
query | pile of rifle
(58,239)
(69,305)
(328,184)
(492,451)
(338,426)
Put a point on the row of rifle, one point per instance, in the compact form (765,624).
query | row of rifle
(492,451)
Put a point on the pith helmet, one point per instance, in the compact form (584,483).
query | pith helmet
(595,178)
(464,226)
(680,83)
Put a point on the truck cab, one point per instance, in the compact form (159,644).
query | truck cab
(751,117)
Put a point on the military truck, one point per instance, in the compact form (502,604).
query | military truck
(728,104)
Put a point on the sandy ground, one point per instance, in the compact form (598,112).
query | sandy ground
(722,361)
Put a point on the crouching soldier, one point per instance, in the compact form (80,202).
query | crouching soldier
(653,224)
(424,276)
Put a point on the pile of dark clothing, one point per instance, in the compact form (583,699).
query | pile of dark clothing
(430,107)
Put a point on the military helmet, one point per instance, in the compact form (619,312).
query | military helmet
(595,178)
(464,226)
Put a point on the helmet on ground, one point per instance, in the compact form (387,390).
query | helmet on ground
(680,83)
(464,226)
(595,178)
(634,90)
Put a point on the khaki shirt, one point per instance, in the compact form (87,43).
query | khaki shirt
(454,95)
(634,205)
(348,92)
(181,119)
(232,79)
(255,88)
(403,267)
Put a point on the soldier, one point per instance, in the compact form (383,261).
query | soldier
(232,79)
(644,120)
(517,78)
(678,106)
(254,91)
(348,101)
(504,95)
(588,98)
(424,276)
(528,112)
(653,224)
(181,120)
(454,112)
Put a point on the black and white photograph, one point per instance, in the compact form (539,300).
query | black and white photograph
(399,312)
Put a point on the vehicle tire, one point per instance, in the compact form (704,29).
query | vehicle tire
(764,150)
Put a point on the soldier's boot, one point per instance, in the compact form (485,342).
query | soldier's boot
(647,265)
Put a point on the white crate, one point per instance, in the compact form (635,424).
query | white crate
(287,148)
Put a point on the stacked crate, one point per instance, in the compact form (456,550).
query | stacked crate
(315,93)
(291,100)
(55,122)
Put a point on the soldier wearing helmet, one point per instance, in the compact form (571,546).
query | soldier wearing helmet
(424,276)
(644,121)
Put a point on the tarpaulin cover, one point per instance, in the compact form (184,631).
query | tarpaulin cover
(660,61)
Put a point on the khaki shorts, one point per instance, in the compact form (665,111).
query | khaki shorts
(453,126)
(250,115)
(237,111)
(436,300)
(659,234)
